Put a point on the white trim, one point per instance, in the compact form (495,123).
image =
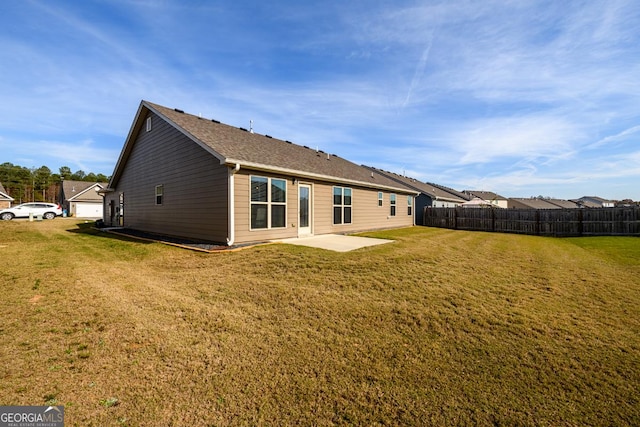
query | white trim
(84,191)
(310,227)
(232,204)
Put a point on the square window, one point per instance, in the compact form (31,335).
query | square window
(258,189)
(278,190)
(278,216)
(258,216)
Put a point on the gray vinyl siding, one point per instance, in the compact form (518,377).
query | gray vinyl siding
(195,186)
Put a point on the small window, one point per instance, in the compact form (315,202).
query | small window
(148,124)
(393,205)
(379,198)
(409,205)
(159,194)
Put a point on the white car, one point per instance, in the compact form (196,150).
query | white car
(47,210)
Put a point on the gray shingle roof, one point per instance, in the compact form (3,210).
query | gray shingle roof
(485,195)
(530,203)
(432,190)
(233,145)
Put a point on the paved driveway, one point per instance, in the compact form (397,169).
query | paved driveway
(336,242)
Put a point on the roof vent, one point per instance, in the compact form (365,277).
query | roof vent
(178,111)
(268,136)
(243,129)
(215,121)
(328,156)
(288,142)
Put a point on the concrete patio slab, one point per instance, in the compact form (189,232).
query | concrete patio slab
(335,242)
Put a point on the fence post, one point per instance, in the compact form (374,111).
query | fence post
(580,225)
(493,218)
(455,218)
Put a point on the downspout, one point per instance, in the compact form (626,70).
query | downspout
(415,206)
(232,205)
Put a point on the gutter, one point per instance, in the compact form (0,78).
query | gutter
(232,204)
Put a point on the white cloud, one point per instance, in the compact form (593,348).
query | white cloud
(530,137)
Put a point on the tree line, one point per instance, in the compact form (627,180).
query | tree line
(40,184)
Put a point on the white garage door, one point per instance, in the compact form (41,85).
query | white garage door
(89,210)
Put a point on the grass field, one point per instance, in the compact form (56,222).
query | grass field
(440,327)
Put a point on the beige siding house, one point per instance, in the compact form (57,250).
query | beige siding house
(81,199)
(182,175)
(5,198)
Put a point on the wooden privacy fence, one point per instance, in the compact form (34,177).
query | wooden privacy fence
(541,222)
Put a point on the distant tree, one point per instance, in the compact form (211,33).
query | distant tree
(41,180)
(34,184)
(78,175)
(65,172)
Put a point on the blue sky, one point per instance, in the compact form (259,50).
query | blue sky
(523,98)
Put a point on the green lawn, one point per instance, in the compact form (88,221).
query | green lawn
(440,327)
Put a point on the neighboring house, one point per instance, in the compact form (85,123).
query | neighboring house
(531,203)
(594,202)
(81,198)
(5,199)
(477,202)
(493,198)
(430,195)
(182,175)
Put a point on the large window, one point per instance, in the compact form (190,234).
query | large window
(393,205)
(268,202)
(341,205)
(409,205)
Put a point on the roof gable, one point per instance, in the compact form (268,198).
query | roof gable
(485,195)
(4,195)
(231,146)
(74,190)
